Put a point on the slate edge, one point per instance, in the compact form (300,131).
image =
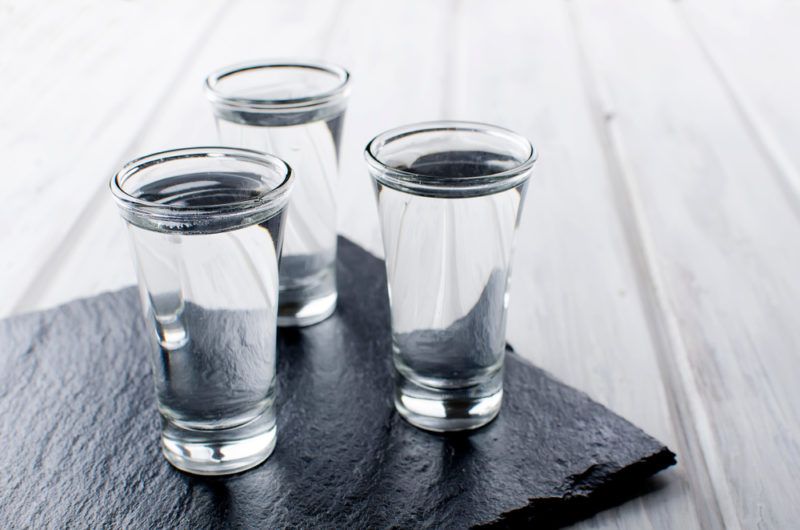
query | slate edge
(590,492)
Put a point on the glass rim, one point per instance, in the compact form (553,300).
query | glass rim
(416,182)
(217,96)
(270,200)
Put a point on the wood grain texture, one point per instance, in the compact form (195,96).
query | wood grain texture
(575,307)
(183,118)
(349,33)
(80,81)
(752,49)
(396,53)
(655,266)
(713,225)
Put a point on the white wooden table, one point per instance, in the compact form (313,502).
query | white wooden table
(658,261)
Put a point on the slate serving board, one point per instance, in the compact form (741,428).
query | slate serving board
(80,434)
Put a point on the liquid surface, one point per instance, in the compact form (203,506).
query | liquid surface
(204,189)
(461,164)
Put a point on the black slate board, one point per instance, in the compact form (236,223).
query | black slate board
(80,434)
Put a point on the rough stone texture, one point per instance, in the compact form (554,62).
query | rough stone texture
(80,432)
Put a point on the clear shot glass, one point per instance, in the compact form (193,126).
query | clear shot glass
(296,111)
(449,198)
(206,228)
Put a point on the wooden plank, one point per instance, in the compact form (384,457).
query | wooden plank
(80,80)
(752,48)
(350,34)
(396,52)
(183,119)
(575,303)
(714,226)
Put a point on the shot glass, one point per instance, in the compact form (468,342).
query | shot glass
(449,196)
(206,227)
(294,110)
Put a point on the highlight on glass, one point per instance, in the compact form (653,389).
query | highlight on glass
(294,110)
(205,227)
(450,195)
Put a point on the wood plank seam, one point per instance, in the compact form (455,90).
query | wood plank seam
(336,21)
(689,417)
(785,172)
(450,101)
(42,279)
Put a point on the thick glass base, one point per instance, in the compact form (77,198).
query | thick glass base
(308,290)
(448,409)
(300,313)
(219,451)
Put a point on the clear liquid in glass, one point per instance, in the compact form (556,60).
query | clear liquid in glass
(209,292)
(309,143)
(448,267)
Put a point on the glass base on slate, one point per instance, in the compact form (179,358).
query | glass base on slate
(306,299)
(219,451)
(447,409)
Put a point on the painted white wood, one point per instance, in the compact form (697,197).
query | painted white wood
(752,48)
(575,304)
(715,228)
(80,80)
(183,118)
(395,52)
(350,34)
